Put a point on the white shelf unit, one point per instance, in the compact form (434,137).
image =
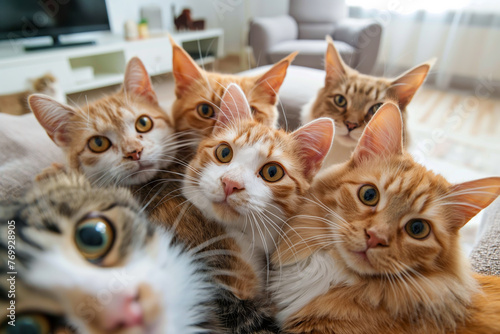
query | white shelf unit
(106,60)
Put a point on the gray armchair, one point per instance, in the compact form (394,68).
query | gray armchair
(304,30)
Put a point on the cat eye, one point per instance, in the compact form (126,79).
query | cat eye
(340,100)
(99,144)
(224,153)
(144,124)
(94,238)
(205,110)
(373,109)
(29,323)
(272,172)
(418,228)
(368,194)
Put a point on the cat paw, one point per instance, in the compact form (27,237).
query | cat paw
(51,171)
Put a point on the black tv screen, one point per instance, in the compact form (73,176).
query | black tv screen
(33,18)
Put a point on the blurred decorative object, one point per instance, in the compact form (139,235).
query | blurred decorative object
(143,29)
(131,30)
(152,14)
(185,22)
(17,104)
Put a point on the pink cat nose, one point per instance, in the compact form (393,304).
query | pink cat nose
(350,125)
(374,240)
(231,186)
(123,312)
(134,155)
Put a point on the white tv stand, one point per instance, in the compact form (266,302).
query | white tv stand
(106,59)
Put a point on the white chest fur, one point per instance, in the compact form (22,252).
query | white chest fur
(294,286)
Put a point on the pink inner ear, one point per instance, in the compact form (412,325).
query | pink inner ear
(383,136)
(234,107)
(314,140)
(137,81)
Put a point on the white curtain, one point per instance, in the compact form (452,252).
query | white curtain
(464,35)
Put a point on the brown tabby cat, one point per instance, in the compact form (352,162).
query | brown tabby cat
(351,99)
(124,138)
(376,247)
(199,93)
(17,104)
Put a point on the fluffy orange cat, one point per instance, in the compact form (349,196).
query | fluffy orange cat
(375,248)
(199,93)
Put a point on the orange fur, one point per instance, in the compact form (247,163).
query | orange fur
(195,86)
(403,284)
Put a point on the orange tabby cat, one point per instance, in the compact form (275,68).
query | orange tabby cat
(351,99)
(376,247)
(124,138)
(199,93)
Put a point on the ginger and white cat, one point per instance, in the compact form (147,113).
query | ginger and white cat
(250,177)
(375,247)
(124,138)
(88,261)
(351,99)
(199,93)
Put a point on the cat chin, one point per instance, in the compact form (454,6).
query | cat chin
(358,262)
(224,212)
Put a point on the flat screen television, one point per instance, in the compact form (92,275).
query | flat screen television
(33,18)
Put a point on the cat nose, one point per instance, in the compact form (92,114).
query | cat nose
(350,125)
(123,312)
(134,155)
(375,240)
(231,186)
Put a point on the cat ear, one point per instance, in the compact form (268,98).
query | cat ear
(234,107)
(383,136)
(314,140)
(334,65)
(270,82)
(53,116)
(469,198)
(137,81)
(407,84)
(185,70)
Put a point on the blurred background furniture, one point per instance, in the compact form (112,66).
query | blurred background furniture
(304,30)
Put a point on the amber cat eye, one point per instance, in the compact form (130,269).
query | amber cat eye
(94,237)
(99,144)
(144,124)
(368,194)
(373,109)
(205,110)
(272,172)
(224,153)
(418,228)
(340,100)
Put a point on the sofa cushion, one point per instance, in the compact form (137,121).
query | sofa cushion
(311,52)
(300,86)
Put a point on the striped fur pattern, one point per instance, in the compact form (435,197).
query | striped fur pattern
(133,157)
(255,212)
(168,289)
(349,267)
(195,86)
(361,94)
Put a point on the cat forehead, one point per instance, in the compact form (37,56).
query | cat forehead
(268,141)
(364,87)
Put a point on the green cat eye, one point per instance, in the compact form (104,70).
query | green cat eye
(373,109)
(99,144)
(94,237)
(340,100)
(205,110)
(418,228)
(28,324)
(272,172)
(368,194)
(143,124)
(224,153)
